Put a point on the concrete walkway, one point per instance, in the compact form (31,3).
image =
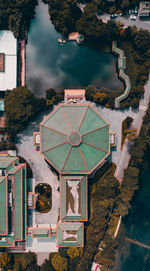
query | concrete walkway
(41,171)
(115,118)
(137,123)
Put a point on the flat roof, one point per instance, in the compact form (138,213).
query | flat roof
(8,46)
(78,92)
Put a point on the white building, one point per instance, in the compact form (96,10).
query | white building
(8,60)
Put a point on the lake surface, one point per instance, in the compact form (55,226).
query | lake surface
(50,65)
(137,226)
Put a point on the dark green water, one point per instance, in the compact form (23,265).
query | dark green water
(51,65)
(137,225)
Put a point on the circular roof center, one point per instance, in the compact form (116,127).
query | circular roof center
(75,139)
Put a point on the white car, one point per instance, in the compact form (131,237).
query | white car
(133,17)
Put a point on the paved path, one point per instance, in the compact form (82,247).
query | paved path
(115,118)
(137,123)
(128,22)
(41,171)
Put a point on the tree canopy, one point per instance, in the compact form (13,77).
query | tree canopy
(21,105)
(16,15)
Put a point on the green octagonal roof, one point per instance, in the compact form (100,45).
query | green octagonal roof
(74,138)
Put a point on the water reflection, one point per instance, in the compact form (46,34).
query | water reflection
(51,65)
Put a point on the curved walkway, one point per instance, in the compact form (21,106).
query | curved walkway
(122,75)
(137,243)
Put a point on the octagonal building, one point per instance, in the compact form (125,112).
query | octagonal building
(75,139)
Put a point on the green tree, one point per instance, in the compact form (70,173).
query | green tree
(100,98)
(17,267)
(20,107)
(46,266)
(59,263)
(125,4)
(74,252)
(28,259)
(142,41)
(50,93)
(5,259)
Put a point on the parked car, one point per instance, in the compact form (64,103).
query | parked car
(133,17)
(120,14)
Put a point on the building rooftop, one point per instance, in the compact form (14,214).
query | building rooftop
(144,9)
(74,138)
(73,198)
(8,60)
(12,201)
(70,234)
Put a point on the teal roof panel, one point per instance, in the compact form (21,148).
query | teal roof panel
(91,121)
(75,115)
(58,122)
(18,205)
(58,155)
(92,155)
(78,165)
(66,129)
(51,139)
(98,138)
(3,207)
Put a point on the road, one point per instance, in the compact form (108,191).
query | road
(128,22)
(137,123)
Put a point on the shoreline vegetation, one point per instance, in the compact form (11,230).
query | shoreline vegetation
(135,43)
(16,15)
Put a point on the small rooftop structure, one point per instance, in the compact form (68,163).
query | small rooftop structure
(40,232)
(8,60)
(74,95)
(36,139)
(13,215)
(70,234)
(2,62)
(76,36)
(112,138)
(31,200)
(144,10)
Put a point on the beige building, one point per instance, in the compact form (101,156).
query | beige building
(144,10)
